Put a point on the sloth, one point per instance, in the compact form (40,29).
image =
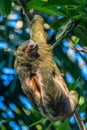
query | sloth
(40,77)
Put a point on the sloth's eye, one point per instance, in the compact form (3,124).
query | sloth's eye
(53,73)
(31,46)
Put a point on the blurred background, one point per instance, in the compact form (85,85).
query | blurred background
(16,112)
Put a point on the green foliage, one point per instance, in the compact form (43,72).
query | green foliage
(75,10)
(5,7)
(62,126)
(57,24)
(74,85)
(82,2)
(59,6)
(76,40)
(40,7)
(63,29)
(37,122)
(81,100)
(81,32)
(61,2)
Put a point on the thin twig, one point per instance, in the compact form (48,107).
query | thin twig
(79,50)
(26,12)
(84,49)
(79,121)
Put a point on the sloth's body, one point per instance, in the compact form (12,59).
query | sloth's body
(40,78)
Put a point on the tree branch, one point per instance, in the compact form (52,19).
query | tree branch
(79,50)
(79,120)
(26,12)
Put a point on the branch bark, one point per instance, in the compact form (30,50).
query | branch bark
(25,10)
(79,120)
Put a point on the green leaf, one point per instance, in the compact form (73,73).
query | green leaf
(81,100)
(49,126)
(79,15)
(82,2)
(5,7)
(81,32)
(58,23)
(37,122)
(61,2)
(64,29)
(64,125)
(40,7)
(84,18)
(76,40)
(74,85)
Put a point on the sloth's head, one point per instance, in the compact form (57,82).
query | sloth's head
(31,50)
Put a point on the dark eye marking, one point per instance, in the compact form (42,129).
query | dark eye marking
(53,73)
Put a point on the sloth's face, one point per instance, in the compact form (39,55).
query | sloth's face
(31,50)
